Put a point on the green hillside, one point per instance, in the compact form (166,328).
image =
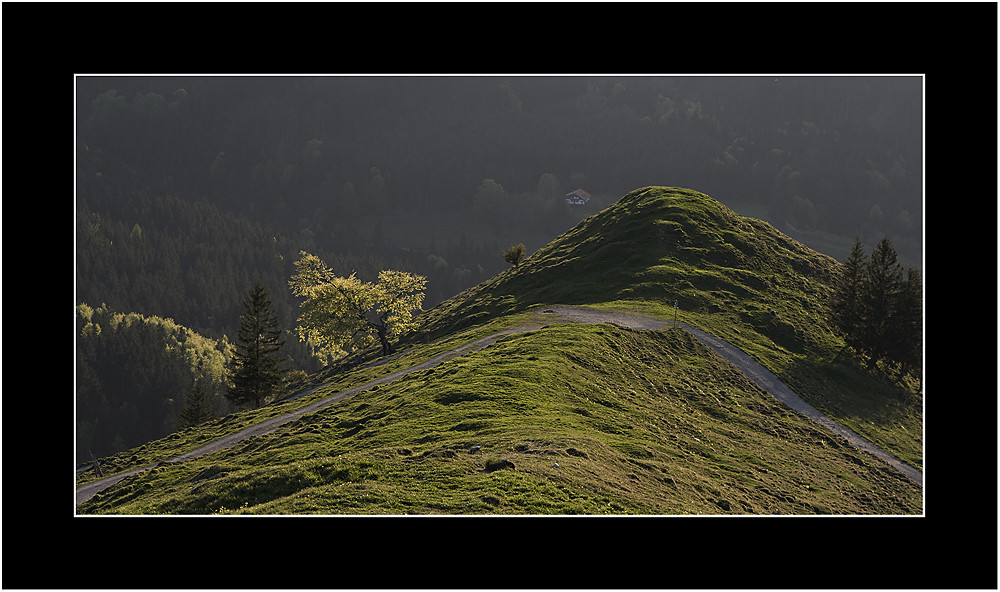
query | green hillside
(565,418)
(736,277)
(659,246)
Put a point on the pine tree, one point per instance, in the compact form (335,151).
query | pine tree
(255,371)
(846,310)
(880,298)
(879,314)
(197,408)
(906,346)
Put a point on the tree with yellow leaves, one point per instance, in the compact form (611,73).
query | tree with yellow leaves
(343,314)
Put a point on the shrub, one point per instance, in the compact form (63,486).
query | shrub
(514,255)
(495,464)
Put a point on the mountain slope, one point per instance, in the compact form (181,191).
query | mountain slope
(574,418)
(736,277)
(568,419)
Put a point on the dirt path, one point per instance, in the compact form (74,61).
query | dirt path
(766,380)
(747,365)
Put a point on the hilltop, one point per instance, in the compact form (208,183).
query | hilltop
(663,246)
(557,417)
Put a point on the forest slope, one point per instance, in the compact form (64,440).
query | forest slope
(584,419)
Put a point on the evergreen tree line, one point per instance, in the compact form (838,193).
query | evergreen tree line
(879,309)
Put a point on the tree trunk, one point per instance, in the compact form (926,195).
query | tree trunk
(378,323)
(384,340)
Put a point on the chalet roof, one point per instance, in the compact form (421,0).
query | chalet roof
(579,193)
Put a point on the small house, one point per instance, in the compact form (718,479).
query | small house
(577,198)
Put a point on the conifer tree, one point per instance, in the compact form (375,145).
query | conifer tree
(906,347)
(197,408)
(846,312)
(878,312)
(255,371)
(880,298)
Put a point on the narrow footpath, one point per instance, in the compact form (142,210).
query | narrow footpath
(747,365)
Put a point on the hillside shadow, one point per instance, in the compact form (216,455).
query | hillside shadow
(843,387)
(879,408)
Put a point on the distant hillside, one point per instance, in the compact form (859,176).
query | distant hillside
(578,419)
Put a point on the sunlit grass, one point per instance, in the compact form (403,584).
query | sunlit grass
(571,419)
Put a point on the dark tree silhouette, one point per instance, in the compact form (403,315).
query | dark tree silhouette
(846,305)
(906,347)
(880,298)
(197,408)
(877,310)
(255,369)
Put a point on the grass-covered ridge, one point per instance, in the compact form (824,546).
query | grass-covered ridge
(577,419)
(569,419)
(736,277)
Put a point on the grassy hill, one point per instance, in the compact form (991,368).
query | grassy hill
(735,277)
(578,419)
